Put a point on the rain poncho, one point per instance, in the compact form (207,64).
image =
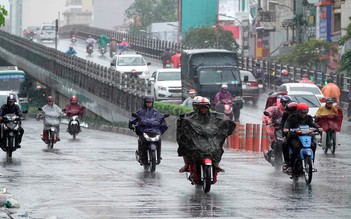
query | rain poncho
(149,120)
(275,114)
(221,96)
(103,41)
(52,115)
(90,41)
(200,136)
(331,90)
(329,118)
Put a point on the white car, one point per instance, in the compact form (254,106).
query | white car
(132,64)
(5,94)
(307,97)
(166,84)
(289,87)
(46,32)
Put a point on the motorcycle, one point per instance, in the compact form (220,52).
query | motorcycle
(274,156)
(151,146)
(113,52)
(226,107)
(168,64)
(51,137)
(202,172)
(73,38)
(73,126)
(102,50)
(90,49)
(303,164)
(10,127)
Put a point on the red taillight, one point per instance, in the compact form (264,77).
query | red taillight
(254,84)
(322,100)
(167,61)
(207,161)
(133,70)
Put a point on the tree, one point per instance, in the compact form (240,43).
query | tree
(145,12)
(345,61)
(3,13)
(308,54)
(206,37)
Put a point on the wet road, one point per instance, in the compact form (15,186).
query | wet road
(96,176)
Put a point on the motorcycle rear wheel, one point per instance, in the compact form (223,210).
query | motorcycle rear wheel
(207,178)
(308,170)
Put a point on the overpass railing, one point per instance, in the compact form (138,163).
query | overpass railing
(118,88)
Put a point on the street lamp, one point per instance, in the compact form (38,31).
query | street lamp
(242,31)
(297,21)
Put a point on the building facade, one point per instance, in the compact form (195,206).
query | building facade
(78,12)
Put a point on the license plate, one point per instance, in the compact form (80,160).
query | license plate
(260,86)
(176,95)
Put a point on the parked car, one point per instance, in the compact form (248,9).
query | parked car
(289,87)
(166,84)
(307,97)
(30,32)
(46,32)
(249,86)
(131,63)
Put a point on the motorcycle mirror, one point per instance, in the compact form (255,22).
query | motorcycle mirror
(113,64)
(134,115)
(166,115)
(64,110)
(266,113)
(40,109)
(149,63)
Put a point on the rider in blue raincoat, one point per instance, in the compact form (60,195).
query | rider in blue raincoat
(149,121)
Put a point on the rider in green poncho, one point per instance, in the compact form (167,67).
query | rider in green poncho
(103,41)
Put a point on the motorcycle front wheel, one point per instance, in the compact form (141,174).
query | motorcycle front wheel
(308,169)
(10,147)
(207,178)
(51,140)
(153,161)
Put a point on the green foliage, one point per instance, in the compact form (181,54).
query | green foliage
(206,37)
(308,54)
(345,61)
(172,109)
(3,13)
(145,12)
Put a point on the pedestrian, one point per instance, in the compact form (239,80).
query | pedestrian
(188,102)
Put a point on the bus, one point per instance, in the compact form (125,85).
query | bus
(13,79)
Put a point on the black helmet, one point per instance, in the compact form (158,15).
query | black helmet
(330,79)
(11,98)
(285,99)
(148,99)
(71,47)
(330,100)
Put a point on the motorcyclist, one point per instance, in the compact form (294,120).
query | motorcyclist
(52,114)
(124,44)
(176,59)
(331,90)
(221,95)
(209,125)
(73,109)
(113,46)
(90,42)
(284,78)
(306,79)
(301,117)
(166,55)
(149,120)
(348,99)
(103,41)
(188,102)
(11,107)
(71,51)
(289,109)
(73,32)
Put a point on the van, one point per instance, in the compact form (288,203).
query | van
(46,32)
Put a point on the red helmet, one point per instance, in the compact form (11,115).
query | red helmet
(73,98)
(285,72)
(302,107)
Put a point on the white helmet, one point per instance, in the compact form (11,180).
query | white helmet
(224,86)
(196,100)
(204,102)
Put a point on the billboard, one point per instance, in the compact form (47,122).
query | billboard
(198,13)
(227,8)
